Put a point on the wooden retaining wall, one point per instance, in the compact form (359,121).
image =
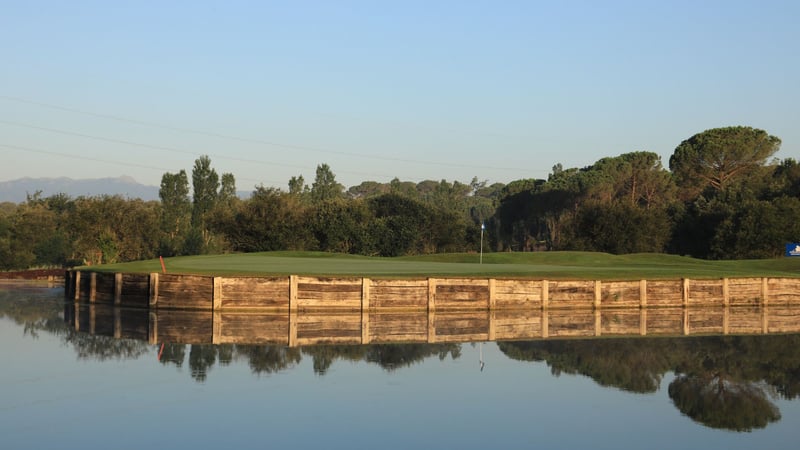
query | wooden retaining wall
(193,292)
(321,327)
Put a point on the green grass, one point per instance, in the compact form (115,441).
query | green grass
(539,265)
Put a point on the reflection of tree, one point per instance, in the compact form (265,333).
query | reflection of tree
(717,402)
(102,348)
(722,382)
(173,354)
(389,356)
(266,359)
(628,364)
(201,358)
(393,356)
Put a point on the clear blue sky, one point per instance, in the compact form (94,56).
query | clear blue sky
(500,90)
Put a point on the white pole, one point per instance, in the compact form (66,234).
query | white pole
(483,227)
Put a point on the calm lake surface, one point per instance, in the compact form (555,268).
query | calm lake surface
(61,388)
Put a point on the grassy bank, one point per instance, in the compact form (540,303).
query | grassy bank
(541,265)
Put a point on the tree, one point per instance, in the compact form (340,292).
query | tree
(227,190)
(325,186)
(205,187)
(297,185)
(718,157)
(176,211)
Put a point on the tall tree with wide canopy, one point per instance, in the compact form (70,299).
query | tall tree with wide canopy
(718,157)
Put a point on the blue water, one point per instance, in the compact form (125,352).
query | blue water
(62,389)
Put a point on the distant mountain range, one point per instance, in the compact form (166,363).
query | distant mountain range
(17,190)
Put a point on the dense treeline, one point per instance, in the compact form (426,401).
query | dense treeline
(722,197)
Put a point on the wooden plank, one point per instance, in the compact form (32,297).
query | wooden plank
(545,297)
(783,291)
(268,293)
(706,292)
(621,294)
(571,294)
(399,294)
(744,291)
(135,291)
(643,294)
(511,294)
(185,291)
(664,293)
(77,295)
(598,293)
(492,294)
(431,294)
(216,302)
(365,337)
(104,289)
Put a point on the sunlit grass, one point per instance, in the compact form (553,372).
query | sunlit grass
(538,265)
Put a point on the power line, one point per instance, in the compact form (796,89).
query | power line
(106,161)
(252,140)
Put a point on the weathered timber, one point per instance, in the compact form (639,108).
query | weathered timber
(705,292)
(185,291)
(173,291)
(565,323)
(571,294)
(398,294)
(621,294)
(744,291)
(664,293)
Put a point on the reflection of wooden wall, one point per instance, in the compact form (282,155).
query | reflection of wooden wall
(324,327)
(169,291)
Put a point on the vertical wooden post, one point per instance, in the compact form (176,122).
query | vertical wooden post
(77,285)
(92,287)
(726,296)
(153,290)
(598,322)
(216,301)
(545,295)
(365,285)
(118,288)
(685,287)
(643,322)
(431,294)
(293,296)
(492,298)
(764,291)
(764,320)
(598,293)
(643,294)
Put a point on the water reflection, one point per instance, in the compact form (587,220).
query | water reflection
(722,382)
(728,382)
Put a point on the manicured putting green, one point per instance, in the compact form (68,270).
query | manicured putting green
(539,265)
